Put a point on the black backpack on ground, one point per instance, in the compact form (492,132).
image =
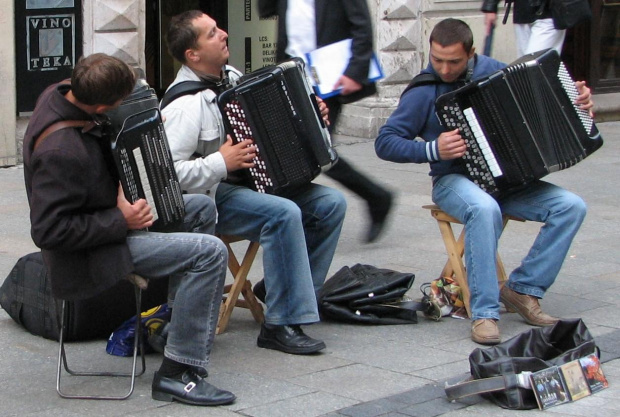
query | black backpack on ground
(26,295)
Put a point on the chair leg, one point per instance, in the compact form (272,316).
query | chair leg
(138,345)
(240,285)
(454,265)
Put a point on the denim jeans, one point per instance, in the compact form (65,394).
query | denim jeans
(561,211)
(298,234)
(195,263)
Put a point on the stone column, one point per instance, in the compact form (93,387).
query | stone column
(398,36)
(402,28)
(8,109)
(117,28)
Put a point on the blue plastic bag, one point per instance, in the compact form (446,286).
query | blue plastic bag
(120,342)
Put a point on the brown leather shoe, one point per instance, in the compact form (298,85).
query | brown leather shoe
(527,306)
(485,332)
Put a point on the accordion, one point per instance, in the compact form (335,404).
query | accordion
(520,123)
(142,155)
(277,109)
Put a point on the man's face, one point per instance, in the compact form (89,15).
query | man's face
(449,62)
(211,50)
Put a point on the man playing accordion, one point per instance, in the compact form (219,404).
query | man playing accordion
(453,62)
(298,234)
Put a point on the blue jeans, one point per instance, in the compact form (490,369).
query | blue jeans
(298,234)
(561,211)
(195,263)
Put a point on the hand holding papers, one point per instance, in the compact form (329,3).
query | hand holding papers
(328,63)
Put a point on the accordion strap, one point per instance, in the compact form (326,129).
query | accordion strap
(472,386)
(185,88)
(63,124)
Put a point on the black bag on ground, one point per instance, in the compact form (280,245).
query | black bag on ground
(366,294)
(26,295)
(500,373)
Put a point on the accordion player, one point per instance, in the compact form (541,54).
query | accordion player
(142,155)
(277,109)
(520,123)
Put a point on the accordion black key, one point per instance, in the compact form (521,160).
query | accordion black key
(520,123)
(143,158)
(277,109)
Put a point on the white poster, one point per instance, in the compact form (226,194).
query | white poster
(251,40)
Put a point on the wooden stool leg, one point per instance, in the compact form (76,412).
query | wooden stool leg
(501,272)
(240,285)
(454,249)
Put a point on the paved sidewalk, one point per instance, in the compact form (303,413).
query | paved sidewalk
(365,370)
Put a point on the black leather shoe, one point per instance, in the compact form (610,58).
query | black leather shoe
(259,290)
(379,211)
(189,388)
(289,339)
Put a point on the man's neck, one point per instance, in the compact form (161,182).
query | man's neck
(207,76)
(77,103)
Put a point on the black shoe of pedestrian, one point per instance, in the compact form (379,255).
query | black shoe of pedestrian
(259,290)
(288,339)
(379,211)
(189,388)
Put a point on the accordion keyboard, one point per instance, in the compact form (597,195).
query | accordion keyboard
(479,160)
(146,185)
(241,130)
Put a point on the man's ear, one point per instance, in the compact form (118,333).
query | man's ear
(191,56)
(472,52)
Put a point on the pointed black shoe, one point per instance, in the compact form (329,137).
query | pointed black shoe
(259,290)
(189,388)
(288,339)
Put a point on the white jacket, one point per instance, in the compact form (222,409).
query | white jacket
(193,124)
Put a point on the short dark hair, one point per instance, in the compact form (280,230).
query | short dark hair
(182,35)
(451,31)
(101,79)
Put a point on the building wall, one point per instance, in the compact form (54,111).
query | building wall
(402,27)
(115,27)
(8,142)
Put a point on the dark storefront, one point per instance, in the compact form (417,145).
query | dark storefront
(591,51)
(49,40)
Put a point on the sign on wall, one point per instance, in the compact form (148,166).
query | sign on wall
(48,38)
(251,40)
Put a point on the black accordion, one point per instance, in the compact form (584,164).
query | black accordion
(277,109)
(143,158)
(520,123)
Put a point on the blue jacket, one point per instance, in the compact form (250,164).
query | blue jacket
(415,118)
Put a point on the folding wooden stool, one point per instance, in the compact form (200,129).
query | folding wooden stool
(455,248)
(240,286)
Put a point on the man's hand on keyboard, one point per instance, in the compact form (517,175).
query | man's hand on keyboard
(238,156)
(138,215)
(451,145)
